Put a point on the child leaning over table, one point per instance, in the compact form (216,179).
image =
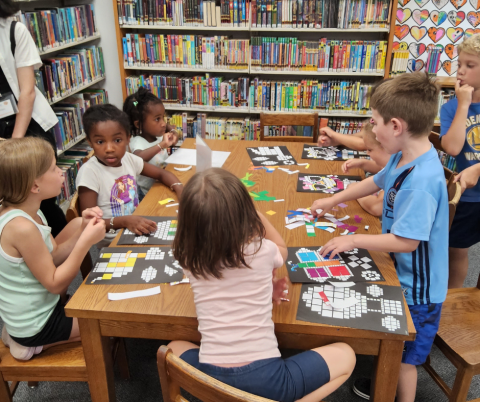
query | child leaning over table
(415,211)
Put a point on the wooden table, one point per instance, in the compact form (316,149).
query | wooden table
(171,315)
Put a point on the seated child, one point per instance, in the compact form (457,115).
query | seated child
(35,268)
(373,204)
(415,211)
(150,141)
(233,282)
(108,179)
(459,134)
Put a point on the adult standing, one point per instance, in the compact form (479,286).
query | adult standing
(34,117)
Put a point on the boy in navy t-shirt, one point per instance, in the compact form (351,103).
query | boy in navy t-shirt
(415,211)
(460,136)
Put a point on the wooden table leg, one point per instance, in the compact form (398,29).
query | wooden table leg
(98,357)
(387,369)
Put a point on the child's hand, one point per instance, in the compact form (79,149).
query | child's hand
(352,164)
(94,231)
(327,137)
(468,178)
(169,139)
(279,285)
(139,225)
(338,245)
(464,93)
(325,204)
(89,214)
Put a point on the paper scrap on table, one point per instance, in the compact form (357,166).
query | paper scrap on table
(330,224)
(278,200)
(327,229)
(172,205)
(358,219)
(185,156)
(184,280)
(343,303)
(183,169)
(342,205)
(302,164)
(319,211)
(271,212)
(342,284)
(166,201)
(295,225)
(136,293)
(327,215)
(367,227)
(352,228)
(295,171)
(344,233)
(344,218)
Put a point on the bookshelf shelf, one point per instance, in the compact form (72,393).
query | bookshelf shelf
(71,144)
(78,89)
(318,73)
(190,70)
(319,30)
(321,114)
(184,27)
(176,107)
(66,46)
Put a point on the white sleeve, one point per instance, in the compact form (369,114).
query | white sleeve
(137,163)
(87,178)
(137,143)
(26,53)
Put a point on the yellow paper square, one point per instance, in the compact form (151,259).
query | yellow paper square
(121,264)
(111,265)
(131,262)
(107,255)
(166,201)
(142,255)
(271,212)
(107,276)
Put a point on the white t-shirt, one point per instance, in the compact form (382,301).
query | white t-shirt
(140,143)
(235,312)
(116,186)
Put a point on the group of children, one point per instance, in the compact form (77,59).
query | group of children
(234,278)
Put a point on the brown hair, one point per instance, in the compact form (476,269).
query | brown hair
(216,221)
(470,45)
(410,97)
(22,160)
(368,134)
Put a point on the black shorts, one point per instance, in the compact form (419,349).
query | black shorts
(58,328)
(465,230)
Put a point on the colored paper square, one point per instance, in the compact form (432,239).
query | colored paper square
(313,273)
(166,201)
(311,264)
(271,212)
(303,265)
(112,265)
(339,271)
(322,272)
(131,261)
(107,255)
(142,255)
(121,264)
(319,263)
(107,276)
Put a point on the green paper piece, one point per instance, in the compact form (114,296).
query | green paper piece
(246,182)
(310,229)
(262,196)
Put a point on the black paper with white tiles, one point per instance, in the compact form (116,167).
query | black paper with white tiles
(271,156)
(165,233)
(331,153)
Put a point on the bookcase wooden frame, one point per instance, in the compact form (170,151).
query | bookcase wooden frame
(121,30)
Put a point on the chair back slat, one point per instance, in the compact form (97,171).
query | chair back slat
(289,119)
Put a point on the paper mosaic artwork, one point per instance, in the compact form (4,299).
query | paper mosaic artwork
(165,233)
(271,156)
(138,265)
(306,265)
(328,184)
(362,306)
(331,153)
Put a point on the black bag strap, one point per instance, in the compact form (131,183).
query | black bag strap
(13,43)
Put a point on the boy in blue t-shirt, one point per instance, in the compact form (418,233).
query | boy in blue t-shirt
(415,211)
(460,136)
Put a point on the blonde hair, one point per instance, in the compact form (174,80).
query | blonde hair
(22,160)
(470,45)
(368,134)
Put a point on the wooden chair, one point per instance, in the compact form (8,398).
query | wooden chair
(289,119)
(435,140)
(458,338)
(174,372)
(454,193)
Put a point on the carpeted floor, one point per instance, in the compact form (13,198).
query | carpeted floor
(145,386)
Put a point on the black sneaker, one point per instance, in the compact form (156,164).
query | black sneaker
(361,387)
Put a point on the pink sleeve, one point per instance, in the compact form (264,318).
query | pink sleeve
(278,259)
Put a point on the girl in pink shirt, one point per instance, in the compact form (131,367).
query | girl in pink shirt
(230,253)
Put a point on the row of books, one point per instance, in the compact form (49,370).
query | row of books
(69,114)
(192,51)
(229,13)
(447,160)
(271,53)
(444,96)
(66,72)
(256,94)
(55,27)
(315,14)
(70,162)
(343,126)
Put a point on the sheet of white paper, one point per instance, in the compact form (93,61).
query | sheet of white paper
(183,169)
(136,293)
(171,205)
(295,225)
(189,157)
(342,284)
(344,303)
(204,155)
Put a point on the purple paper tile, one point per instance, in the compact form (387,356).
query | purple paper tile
(358,219)
(352,228)
(342,205)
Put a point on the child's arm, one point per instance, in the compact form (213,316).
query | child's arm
(373,204)
(365,164)
(163,176)
(468,177)
(27,239)
(360,190)
(272,235)
(454,139)
(328,137)
(136,224)
(168,140)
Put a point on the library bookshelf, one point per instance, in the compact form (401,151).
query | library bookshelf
(248,32)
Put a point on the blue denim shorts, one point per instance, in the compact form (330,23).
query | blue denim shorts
(285,380)
(426,318)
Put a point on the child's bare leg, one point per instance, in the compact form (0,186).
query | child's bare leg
(178,347)
(458,267)
(340,359)
(68,231)
(407,383)
(74,336)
